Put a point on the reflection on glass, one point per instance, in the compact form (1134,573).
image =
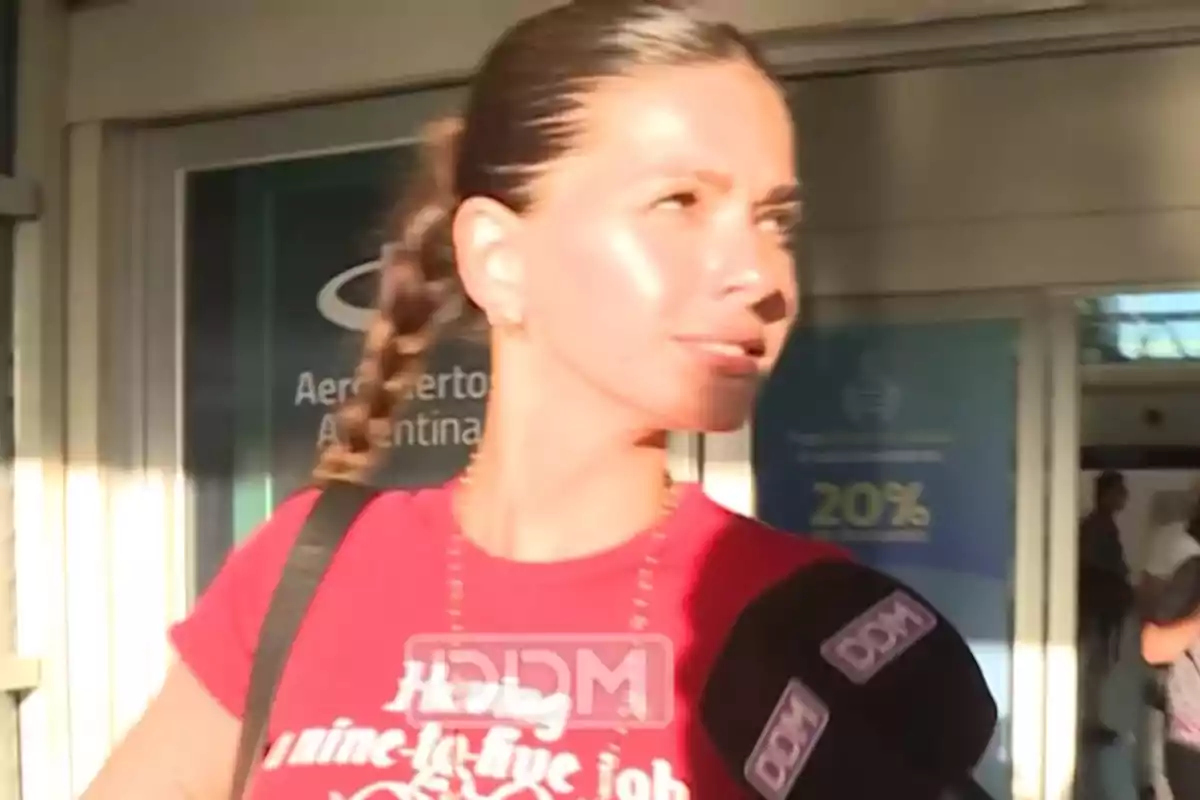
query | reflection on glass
(1140,327)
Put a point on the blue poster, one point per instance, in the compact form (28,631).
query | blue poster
(898,442)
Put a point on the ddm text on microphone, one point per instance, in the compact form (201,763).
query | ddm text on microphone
(786,742)
(879,636)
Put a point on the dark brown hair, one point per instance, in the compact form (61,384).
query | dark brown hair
(522,114)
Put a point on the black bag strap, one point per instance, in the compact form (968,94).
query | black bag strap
(335,510)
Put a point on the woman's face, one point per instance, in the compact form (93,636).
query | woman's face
(658,269)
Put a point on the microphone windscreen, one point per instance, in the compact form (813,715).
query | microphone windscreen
(839,680)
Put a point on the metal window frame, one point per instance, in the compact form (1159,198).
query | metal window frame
(32,198)
(20,202)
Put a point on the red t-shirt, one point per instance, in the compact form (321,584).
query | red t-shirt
(344,726)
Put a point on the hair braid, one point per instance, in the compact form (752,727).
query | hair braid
(420,296)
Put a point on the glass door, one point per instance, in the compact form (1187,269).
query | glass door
(260,240)
(280,268)
(912,432)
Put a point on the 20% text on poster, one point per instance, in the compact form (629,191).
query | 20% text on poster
(891,509)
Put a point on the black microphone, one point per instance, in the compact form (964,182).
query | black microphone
(841,682)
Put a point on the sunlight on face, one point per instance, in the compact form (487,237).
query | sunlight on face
(658,261)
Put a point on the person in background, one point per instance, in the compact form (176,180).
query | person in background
(1151,775)
(1169,602)
(1105,598)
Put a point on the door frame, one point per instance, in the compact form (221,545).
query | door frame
(728,476)
(1064,441)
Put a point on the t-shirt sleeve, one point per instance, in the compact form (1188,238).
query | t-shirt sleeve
(216,641)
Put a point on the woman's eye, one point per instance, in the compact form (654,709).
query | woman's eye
(679,201)
(780,222)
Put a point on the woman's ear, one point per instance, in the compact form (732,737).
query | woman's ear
(485,245)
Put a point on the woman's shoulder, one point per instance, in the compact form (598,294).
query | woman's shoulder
(218,638)
(788,550)
(743,557)
(746,546)
(396,521)
(384,512)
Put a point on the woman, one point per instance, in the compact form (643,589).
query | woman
(616,201)
(1170,603)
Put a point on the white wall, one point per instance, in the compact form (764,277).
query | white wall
(1115,415)
(1048,171)
(152,58)
(1051,171)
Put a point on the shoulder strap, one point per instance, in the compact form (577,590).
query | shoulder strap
(336,508)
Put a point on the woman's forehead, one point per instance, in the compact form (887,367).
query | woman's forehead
(723,121)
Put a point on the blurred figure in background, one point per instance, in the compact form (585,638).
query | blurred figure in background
(1169,602)
(1105,599)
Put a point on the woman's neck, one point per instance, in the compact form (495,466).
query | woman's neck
(561,475)
(567,512)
